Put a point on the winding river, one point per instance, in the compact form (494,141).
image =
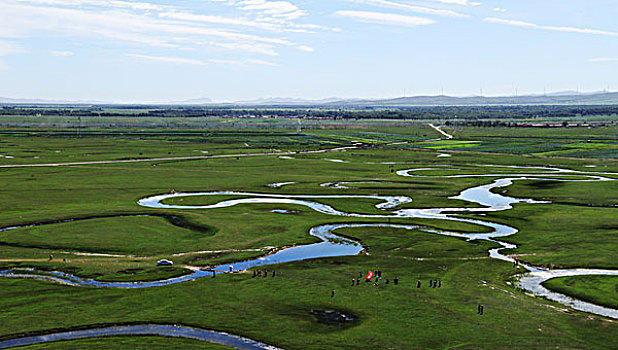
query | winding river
(170,331)
(333,245)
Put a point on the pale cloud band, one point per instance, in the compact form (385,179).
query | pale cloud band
(62,53)
(460,2)
(147,24)
(523,24)
(385,18)
(182,60)
(411,8)
(603,59)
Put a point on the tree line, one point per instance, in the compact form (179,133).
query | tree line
(469,113)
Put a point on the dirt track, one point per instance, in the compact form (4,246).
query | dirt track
(437,128)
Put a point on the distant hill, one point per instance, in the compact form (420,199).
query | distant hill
(556,98)
(550,99)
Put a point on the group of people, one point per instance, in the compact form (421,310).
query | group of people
(435,283)
(369,278)
(263,273)
(432,284)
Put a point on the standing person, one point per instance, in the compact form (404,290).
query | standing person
(418,283)
(435,283)
(259,273)
(353,281)
(396,280)
(273,273)
(360,274)
(440,284)
(265,273)
(357,281)
(254,273)
(231,268)
(332,293)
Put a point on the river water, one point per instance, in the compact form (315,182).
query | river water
(332,245)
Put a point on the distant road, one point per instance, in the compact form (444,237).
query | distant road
(289,153)
(437,128)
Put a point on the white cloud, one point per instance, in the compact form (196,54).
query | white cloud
(256,48)
(24,20)
(551,28)
(144,6)
(217,20)
(166,59)
(603,59)
(263,24)
(411,8)
(260,62)
(305,48)
(139,5)
(385,18)
(499,9)
(150,24)
(460,2)
(277,9)
(182,60)
(62,53)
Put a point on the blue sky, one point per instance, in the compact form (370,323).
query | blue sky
(228,50)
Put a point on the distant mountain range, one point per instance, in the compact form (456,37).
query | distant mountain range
(557,98)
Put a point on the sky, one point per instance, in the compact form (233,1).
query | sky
(234,50)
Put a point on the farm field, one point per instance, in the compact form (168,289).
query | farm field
(84,221)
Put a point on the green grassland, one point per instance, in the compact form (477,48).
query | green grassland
(575,231)
(595,289)
(577,142)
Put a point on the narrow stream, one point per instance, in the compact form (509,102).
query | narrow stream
(171,331)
